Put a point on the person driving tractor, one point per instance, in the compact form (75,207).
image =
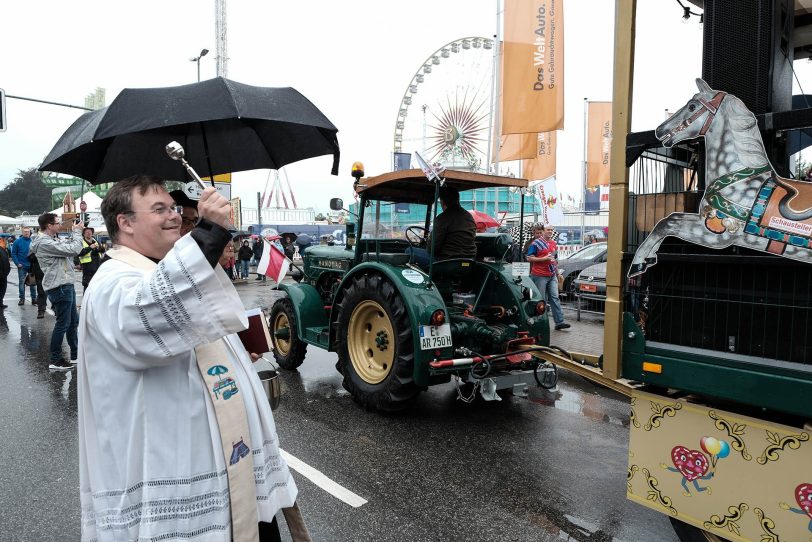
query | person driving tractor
(454,232)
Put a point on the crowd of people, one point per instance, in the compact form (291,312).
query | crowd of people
(46,266)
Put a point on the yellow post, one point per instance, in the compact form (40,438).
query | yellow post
(625,11)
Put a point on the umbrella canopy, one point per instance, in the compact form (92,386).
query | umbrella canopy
(224,127)
(303,240)
(240,234)
(484,220)
(8,221)
(289,235)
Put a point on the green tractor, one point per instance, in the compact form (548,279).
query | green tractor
(398,328)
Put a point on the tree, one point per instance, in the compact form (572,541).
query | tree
(25,193)
(320,217)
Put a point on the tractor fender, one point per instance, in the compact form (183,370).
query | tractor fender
(420,302)
(308,306)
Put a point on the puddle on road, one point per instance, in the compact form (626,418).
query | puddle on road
(318,375)
(586,404)
(568,527)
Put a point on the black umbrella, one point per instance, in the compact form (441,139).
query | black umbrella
(303,240)
(223,126)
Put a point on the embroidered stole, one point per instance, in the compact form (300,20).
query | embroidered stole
(217,371)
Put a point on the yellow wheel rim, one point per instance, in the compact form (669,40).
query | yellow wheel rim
(281,345)
(371,342)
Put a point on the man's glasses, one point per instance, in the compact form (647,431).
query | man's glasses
(161,211)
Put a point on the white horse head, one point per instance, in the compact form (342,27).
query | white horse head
(729,128)
(693,119)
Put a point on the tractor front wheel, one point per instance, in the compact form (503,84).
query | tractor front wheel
(288,350)
(375,345)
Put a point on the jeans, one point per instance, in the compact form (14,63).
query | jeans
(549,290)
(244,268)
(63,299)
(21,273)
(420,256)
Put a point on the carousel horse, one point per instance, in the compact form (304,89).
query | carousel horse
(745,202)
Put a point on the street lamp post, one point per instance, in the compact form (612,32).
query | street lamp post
(203,53)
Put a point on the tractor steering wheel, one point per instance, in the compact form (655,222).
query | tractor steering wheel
(415,237)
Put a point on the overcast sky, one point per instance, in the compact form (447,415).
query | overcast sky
(353,59)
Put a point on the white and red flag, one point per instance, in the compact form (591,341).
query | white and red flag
(273,263)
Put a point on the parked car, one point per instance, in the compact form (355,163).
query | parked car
(592,280)
(576,262)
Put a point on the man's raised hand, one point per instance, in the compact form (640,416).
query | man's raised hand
(214,207)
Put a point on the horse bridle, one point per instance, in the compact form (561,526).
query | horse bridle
(712,107)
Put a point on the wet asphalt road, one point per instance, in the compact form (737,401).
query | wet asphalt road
(548,467)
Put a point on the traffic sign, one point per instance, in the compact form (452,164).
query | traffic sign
(193,190)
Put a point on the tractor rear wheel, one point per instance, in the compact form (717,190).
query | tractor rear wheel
(375,345)
(288,350)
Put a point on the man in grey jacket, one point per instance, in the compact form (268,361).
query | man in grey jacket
(55,257)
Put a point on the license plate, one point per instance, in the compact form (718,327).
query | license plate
(588,288)
(432,337)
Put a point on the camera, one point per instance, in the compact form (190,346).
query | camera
(76,221)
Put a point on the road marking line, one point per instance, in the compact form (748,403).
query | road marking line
(321,480)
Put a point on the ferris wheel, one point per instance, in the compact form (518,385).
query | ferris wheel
(445,113)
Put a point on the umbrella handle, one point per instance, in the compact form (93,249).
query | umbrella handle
(193,173)
(175,152)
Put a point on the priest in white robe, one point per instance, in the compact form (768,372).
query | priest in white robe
(156,458)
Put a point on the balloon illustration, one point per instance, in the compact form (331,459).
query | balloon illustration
(724,451)
(711,445)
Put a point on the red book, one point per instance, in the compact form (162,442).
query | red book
(257,337)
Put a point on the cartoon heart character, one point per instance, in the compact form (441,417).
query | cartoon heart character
(692,464)
(803,496)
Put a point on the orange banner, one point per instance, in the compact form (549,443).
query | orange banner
(543,165)
(517,147)
(511,146)
(533,90)
(598,141)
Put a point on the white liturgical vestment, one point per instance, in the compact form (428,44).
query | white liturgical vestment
(151,458)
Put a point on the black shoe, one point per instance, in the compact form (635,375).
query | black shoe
(33,302)
(22,302)
(41,314)
(562,325)
(3,306)
(60,365)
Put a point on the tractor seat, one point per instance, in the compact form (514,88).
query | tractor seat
(384,257)
(492,245)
